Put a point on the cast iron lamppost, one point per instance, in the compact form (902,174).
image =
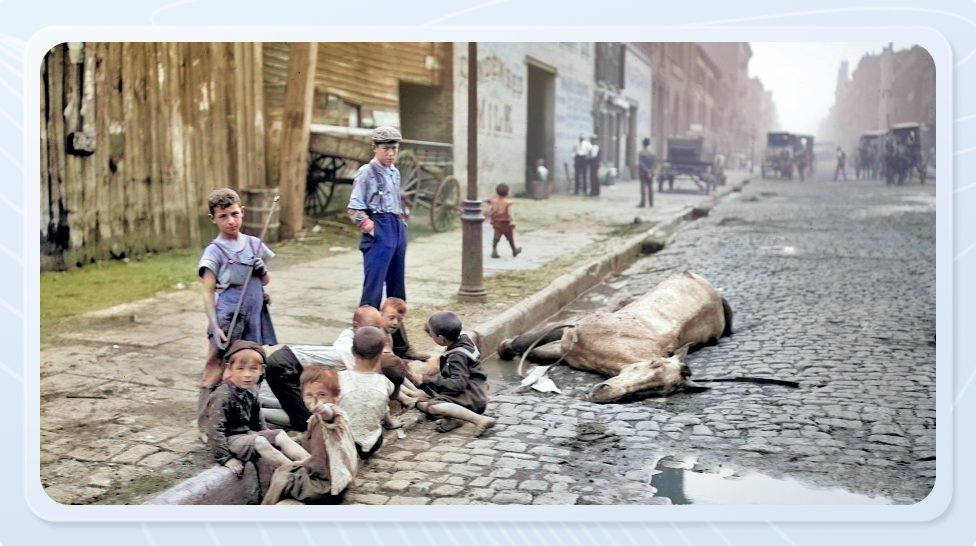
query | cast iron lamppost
(472,276)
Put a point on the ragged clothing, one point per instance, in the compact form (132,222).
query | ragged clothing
(322,477)
(230,263)
(461,380)
(231,412)
(365,398)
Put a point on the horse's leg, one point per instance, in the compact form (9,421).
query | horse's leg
(510,348)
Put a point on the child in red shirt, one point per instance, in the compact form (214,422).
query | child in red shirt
(500,216)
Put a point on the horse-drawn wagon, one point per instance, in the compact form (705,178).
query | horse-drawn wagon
(426,179)
(688,158)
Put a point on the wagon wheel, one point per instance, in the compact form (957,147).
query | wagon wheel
(320,182)
(444,208)
(409,169)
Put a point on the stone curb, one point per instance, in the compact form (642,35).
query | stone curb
(218,486)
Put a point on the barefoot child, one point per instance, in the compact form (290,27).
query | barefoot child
(223,271)
(500,216)
(459,393)
(236,433)
(333,461)
(365,392)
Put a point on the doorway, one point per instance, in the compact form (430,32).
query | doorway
(540,126)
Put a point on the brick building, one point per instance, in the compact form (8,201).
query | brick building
(885,89)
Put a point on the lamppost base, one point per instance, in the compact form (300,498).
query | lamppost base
(474,295)
(472,277)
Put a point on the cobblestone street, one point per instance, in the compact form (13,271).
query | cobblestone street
(832,285)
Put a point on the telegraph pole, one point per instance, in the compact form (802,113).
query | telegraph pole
(472,274)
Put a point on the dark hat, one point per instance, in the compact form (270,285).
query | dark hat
(239,346)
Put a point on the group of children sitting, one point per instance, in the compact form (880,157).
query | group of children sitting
(336,411)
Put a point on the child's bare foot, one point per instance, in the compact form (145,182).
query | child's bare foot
(448,424)
(483,426)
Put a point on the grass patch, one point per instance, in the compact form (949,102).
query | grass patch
(728,220)
(750,198)
(106,284)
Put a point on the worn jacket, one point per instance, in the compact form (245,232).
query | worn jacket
(231,411)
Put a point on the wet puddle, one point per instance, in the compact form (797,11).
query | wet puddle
(685,486)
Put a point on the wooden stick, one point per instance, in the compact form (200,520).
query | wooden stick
(250,272)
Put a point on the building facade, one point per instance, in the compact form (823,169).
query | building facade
(536,99)
(884,89)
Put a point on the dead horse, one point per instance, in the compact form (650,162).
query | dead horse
(640,347)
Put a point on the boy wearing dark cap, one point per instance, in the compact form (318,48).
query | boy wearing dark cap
(377,208)
(236,432)
(459,392)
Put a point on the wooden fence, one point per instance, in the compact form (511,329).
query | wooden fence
(135,135)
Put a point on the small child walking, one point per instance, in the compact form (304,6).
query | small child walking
(500,216)
(236,432)
(459,393)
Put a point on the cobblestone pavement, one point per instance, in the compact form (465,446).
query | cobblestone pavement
(833,286)
(117,404)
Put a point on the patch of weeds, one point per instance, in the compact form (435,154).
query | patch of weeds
(729,220)
(137,487)
(768,193)
(105,284)
(750,198)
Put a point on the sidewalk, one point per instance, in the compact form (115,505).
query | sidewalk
(137,364)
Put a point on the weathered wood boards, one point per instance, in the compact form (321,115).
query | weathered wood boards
(171,122)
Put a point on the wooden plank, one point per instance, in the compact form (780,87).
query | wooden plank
(257,159)
(193,175)
(45,178)
(171,144)
(55,133)
(297,115)
(112,202)
(238,113)
(133,157)
(154,115)
(218,79)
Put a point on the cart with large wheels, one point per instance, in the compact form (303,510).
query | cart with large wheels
(426,179)
(687,160)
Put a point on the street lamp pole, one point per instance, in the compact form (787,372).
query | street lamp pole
(472,275)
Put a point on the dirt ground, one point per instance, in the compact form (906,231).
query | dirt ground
(118,385)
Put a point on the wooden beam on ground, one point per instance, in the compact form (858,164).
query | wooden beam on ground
(296,118)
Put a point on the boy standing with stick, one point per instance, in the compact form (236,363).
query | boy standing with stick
(232,299)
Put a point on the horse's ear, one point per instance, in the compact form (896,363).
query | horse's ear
(681,353)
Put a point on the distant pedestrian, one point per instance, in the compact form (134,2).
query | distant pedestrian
(581,161)
(541,172)
(500,216)
(646,160)
(375,206)
(594,162)
(841,161)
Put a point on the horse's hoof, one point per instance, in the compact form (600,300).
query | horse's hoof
(505,351)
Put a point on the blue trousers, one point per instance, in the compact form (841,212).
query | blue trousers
(384,260)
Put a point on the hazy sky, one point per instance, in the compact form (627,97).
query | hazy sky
(803,76)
